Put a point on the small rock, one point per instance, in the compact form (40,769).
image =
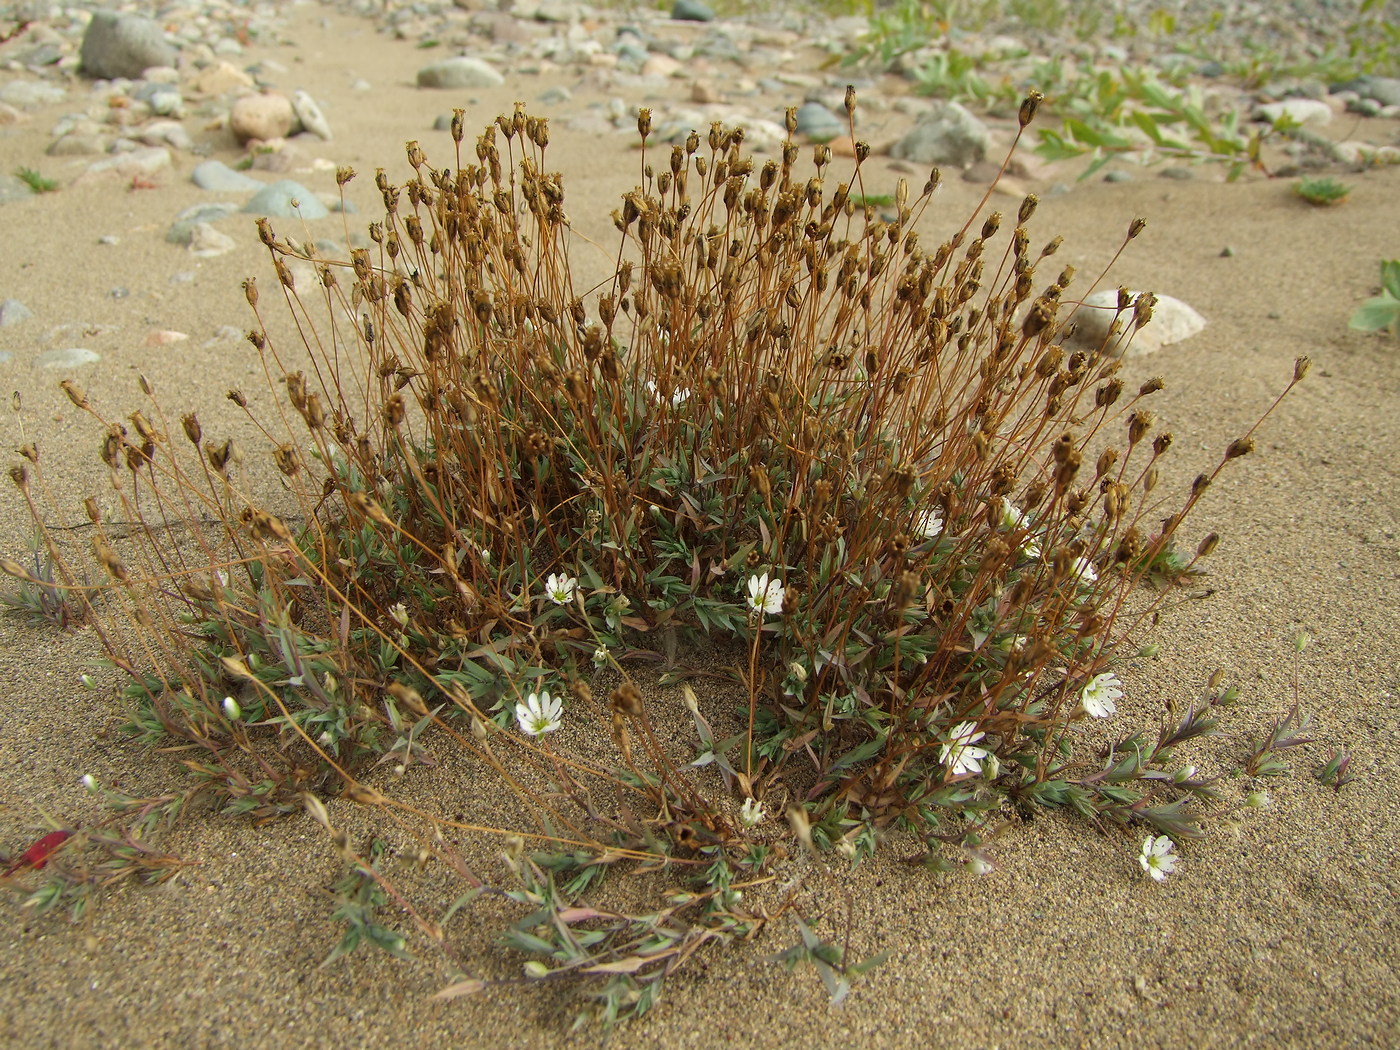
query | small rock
(221,79)
(109,239)
(842,146)
(1227,252)
(144,161)
(9,115)
(1178,172)
(460,72)
(29,94)
(262,117)
(13,189)
(1306,112)
(164,100)
(1385,90)
(818,123)
(166,133)
(361,84)
(691,11)
(660,66)
(165,337)
(12,311)
(216,175)
(207,242)
(1172,321)
(1118,176)
(76,144)
(276,200)
(123,46)
(182,229)
(554,96)
(278,157)
(71,357)
(704,93)
(310,115)
(949,134)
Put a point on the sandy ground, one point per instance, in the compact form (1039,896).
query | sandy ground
(1280,929)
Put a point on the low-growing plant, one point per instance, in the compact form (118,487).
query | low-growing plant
(1323,191)
(35,181)
(857,487)
(1381,312)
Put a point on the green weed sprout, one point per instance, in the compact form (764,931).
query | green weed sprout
(1322,192)
(35,181)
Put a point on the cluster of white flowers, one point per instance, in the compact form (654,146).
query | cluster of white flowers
(678,397)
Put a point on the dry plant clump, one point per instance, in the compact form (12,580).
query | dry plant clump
(859,466)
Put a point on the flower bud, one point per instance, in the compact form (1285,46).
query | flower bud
(231,709)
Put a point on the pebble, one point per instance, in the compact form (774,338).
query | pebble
(1118,176)
(9,115)
(121,45)
(166,133)
(12,311)
(819,123)
(691,11)
(310,115)
(13,188)
(262,117)
(30,94)
(460,72)
(165,337)
(70,357)
(948,134)
(220,79)
(207,242)
(218,176)
(1302,111)
(143,161)
(551,97)
(1172,321)
(164,100)
(276,200)
(182,229)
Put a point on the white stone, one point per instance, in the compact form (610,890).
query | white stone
(1172,321)
(1308,112)
(262,117)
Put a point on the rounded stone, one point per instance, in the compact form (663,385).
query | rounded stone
(262,117)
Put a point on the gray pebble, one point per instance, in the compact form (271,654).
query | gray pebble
(13,188)
(691,11)
(818,122)
(199,214)
(28,94)
(216,175)
(460,72)
(556,95)
(1177,172)
(12,311)
(70,357)
(310,115)
(1118,176)
(207,242)
(276,200)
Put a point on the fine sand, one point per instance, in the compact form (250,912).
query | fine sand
(1281,928)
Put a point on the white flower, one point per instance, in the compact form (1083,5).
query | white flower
(751,813)
(930,526)
(1099,696)
(1083,572)
(560,588)
(539,714)
(765,595)
(90,783)
(400,613)
(231,709)
(1157,858)
(1011,516)
(600,656)
(958,754)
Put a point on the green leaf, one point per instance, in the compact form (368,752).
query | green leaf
(1376,314)
(1390,277)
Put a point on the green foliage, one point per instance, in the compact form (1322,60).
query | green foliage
(36,181)
(1321,192)
(1136,115)
(361,896)
(1381,312)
